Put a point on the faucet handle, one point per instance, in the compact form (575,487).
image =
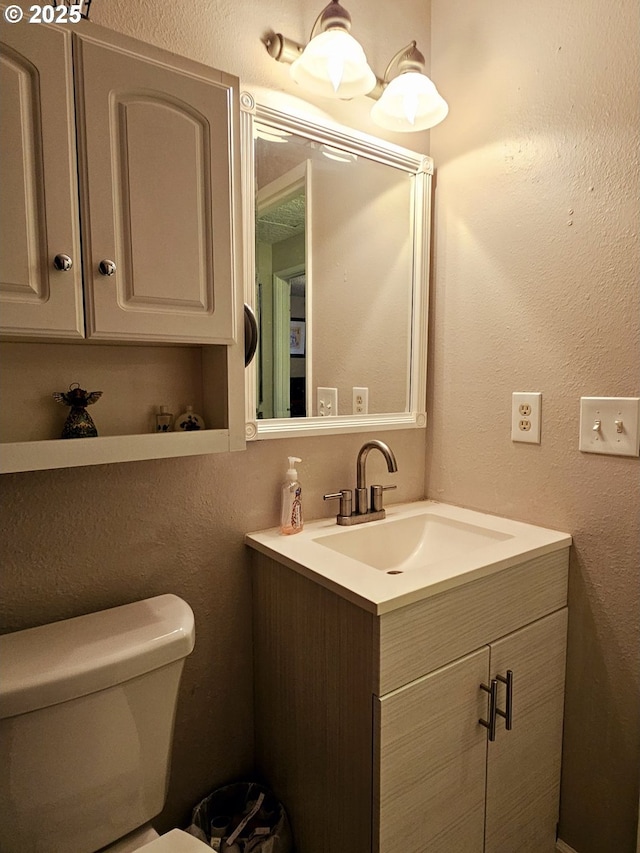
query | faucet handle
(376,496)
(346,501)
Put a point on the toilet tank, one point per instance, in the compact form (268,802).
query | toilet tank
(87,708)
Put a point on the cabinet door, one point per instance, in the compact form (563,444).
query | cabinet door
(39,209)
(431,759)
(523,773)
(157,154)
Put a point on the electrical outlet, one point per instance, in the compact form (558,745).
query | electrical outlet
(360,401)
(525,416)
(327,400)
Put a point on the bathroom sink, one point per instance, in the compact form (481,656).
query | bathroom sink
(420,549)
(406,544)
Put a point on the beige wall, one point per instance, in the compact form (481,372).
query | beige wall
(83,539)
(536,289)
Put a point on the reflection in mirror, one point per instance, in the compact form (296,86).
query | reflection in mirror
(281,293)
(339,277)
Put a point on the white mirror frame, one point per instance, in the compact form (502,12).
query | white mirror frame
(418,165)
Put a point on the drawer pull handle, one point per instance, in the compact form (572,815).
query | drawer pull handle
(490,724)
(507,714)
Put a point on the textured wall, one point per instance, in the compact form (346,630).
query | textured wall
(536,289)
(88,538)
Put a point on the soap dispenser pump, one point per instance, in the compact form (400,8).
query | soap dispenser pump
(291,520)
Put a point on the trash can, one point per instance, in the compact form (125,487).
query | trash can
(244,817)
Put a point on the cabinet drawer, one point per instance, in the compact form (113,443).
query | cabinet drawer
(426,635)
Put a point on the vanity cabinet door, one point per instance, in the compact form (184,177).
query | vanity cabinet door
(155,144)
(523,771)
(431,761)
(39,211)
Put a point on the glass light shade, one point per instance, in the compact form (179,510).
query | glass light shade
(409,102)
(333,65)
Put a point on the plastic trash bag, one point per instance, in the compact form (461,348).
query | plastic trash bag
(242,818)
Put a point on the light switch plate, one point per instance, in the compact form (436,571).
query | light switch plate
(610,425)
(327,401)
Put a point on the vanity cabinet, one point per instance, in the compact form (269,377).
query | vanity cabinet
(120,224)
(368,724)
(441,785)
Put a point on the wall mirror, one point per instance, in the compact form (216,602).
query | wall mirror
(336,230)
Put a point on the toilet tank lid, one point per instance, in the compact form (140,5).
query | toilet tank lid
(74,657)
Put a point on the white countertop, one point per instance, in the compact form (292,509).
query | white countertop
(508,544)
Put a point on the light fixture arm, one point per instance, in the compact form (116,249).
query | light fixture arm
(407,59)
(332,17)
(283,49)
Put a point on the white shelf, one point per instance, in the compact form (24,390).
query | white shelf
(71,453)
(135,380)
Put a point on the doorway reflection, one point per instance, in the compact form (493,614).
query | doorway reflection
(282,299)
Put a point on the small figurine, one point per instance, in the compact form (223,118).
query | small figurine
(79,423)
(189,421)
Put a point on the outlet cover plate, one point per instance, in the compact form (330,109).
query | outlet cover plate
(526,416)
(360,401)
(615,439)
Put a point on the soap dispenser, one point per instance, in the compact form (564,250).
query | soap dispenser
(291,520)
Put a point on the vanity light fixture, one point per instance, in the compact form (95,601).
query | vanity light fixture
(333,64)
(409,101)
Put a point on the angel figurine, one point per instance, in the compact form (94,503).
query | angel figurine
(79,423)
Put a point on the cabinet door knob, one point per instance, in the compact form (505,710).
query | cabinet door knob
(106,267)
(62,263)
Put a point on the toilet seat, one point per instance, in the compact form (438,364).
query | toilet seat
(175,841)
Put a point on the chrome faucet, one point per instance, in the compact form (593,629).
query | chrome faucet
(363,510)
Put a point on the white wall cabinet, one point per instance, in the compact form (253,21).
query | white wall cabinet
(156,165)
(368,726)
(124,159)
